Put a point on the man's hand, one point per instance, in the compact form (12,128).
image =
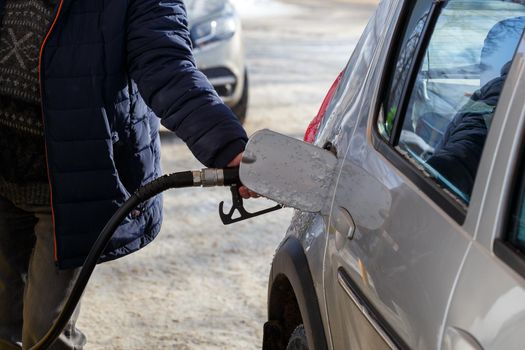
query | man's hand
(243,190)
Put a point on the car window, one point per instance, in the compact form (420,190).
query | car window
(516,229)
(452,100)
(405,57)
(517,235)
(520,238)
(511,246)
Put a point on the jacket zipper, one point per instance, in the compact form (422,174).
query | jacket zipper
(40,56)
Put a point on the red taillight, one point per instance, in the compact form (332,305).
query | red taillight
(312,129)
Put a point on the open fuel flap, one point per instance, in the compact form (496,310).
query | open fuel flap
(289,171)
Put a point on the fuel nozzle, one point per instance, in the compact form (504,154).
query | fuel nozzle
(216,177)
(228,177)
(206,178)
(198,178)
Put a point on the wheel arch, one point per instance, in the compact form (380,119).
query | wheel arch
(292,299)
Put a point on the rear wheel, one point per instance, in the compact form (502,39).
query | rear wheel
(241,108)
(298,340)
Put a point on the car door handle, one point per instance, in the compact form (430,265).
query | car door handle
(458,339)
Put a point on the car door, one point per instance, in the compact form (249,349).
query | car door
(487,310)
(397,235)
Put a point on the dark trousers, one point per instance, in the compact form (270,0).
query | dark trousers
(32,289)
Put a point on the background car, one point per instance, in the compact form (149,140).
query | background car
(216,34)
(423,245)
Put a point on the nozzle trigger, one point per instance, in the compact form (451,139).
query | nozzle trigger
(237,205)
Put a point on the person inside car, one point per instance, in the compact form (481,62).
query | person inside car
(457,155)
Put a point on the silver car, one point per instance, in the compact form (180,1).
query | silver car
(216,34)
(422,243)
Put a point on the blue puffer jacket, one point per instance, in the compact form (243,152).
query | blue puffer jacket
(108,68)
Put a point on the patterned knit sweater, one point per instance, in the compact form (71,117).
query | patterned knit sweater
(23,174)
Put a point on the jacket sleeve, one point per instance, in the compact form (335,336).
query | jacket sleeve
(458,155)
(161,63)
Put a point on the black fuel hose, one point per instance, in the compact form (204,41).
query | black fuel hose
(205,178)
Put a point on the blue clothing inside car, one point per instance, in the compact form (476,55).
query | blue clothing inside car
(109,70)
(457,155)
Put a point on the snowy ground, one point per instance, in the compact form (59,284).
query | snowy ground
(201,285)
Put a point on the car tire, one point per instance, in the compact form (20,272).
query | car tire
(298,340)
(241,108)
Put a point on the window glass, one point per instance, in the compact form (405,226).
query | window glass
(456,91)
(406,55)
(521,227)
(517,224)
